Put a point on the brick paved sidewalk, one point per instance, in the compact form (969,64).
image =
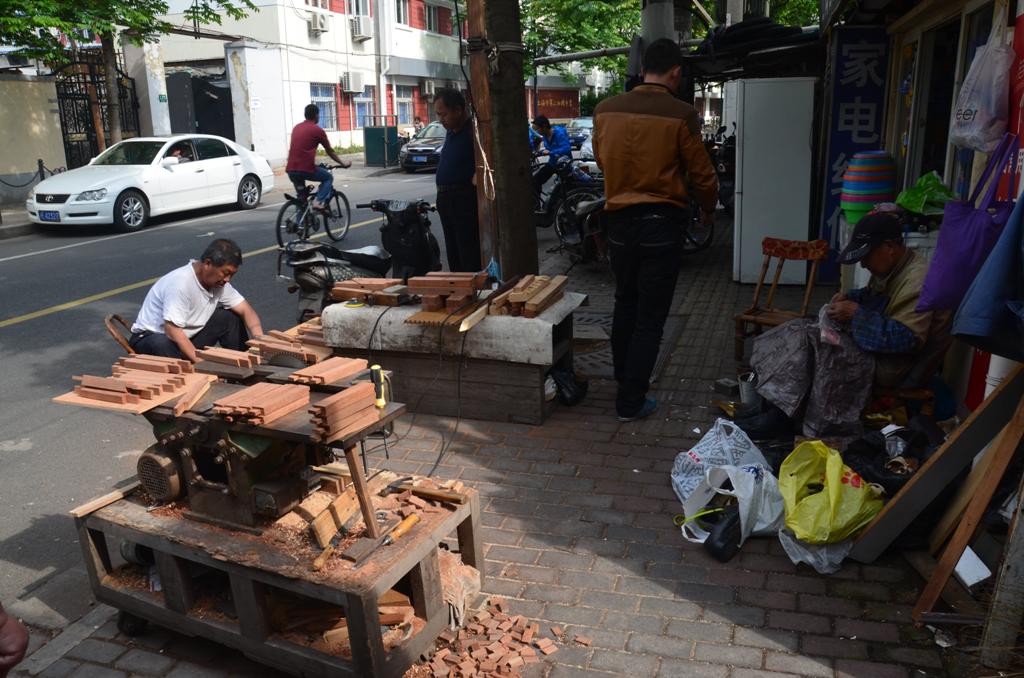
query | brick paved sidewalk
(578,532)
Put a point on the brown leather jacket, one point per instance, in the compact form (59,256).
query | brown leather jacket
(648,144)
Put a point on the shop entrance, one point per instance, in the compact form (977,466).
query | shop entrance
(939,49)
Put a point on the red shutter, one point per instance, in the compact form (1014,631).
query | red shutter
(418,14)
(444,21)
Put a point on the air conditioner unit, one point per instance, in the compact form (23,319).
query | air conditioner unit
(428,88)
(353,82)
(318,23)
(362,29)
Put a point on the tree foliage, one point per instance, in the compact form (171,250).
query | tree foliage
(41,28)
(552,27)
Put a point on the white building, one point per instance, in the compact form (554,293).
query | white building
(356,59)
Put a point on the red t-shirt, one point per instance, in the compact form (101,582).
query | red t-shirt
(306,136)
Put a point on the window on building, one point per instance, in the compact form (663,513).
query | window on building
(359,7)
(403,104)
(432,23)
(402,11)
(322,94)
(321,4)
(364,106)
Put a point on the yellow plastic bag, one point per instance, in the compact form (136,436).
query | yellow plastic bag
(825,500)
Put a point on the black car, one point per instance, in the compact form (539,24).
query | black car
(423,151)
(579,130)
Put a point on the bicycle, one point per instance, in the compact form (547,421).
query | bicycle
(297,217)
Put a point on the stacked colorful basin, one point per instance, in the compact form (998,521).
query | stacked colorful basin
(870,178)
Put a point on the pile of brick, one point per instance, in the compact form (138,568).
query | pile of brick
(330,371)
(494,643)
(226,356)
(530,297)
(344,413)
(262,403)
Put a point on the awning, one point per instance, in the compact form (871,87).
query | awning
(418,68)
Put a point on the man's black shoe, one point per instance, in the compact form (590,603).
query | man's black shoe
(767,426)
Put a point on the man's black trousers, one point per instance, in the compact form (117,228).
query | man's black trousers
(645,246)
(224,327)
(456,205)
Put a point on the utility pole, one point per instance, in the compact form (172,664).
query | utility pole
(504,189)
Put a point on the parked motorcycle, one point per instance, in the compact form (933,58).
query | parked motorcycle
(406,235)
(410,249)
(316,266)
(568,176)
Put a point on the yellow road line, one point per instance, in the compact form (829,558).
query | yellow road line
(134,286)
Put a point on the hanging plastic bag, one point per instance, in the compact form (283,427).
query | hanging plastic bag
(981,111)
(725,455)
(825,500)
(928,196)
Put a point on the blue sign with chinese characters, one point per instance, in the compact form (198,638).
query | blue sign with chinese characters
(859,59)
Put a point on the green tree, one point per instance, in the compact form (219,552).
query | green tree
(552,27)
(40,27)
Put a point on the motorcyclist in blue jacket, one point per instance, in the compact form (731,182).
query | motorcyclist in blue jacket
(556,145)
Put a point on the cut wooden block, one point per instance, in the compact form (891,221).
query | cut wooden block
(121,398)
(190,397)
(327,523)
(546,297)
(329,371)
(432,302)
(458,300)
(523,295)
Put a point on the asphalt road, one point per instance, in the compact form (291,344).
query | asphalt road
(56,289)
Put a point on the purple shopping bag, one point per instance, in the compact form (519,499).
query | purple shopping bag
(968,233)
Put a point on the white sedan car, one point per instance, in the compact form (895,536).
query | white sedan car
(139,178)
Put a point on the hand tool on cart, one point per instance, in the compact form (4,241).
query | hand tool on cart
(362,549)
(377,377)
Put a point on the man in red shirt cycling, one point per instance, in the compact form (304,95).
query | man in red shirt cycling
(306,136)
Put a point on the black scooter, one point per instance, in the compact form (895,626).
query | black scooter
(410,249)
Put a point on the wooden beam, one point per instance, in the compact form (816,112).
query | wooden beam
(362,492)
(1008,446)
(999,640)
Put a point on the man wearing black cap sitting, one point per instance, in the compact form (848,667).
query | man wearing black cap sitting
(825,384)
(908,345)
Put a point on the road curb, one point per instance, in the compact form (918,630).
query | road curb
(15,230)
(388,170)
(75,633)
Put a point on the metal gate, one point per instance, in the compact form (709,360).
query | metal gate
(82,100)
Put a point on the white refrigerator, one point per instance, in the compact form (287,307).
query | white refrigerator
(774,147)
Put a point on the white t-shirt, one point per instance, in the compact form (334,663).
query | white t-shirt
(179,298)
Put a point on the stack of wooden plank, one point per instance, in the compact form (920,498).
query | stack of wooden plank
(311,333)
(445,290)
(530,297)
(381,291)
(330,371)
(154,363)
(262,403)
(128,386)
(226,356)
(344,413)
(278,343)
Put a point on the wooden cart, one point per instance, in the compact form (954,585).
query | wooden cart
(254,568)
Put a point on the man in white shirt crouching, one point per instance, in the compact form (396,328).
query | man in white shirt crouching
(195,306)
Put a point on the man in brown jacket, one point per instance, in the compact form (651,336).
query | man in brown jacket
(648,144)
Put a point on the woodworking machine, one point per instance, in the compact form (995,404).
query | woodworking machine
(228,476)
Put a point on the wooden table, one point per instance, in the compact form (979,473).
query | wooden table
(255,566)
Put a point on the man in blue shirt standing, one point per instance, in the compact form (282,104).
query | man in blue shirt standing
(556,145)
(456,194)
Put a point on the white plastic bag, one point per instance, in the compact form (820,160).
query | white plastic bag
(825,558)
(981,111)
(725,453)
